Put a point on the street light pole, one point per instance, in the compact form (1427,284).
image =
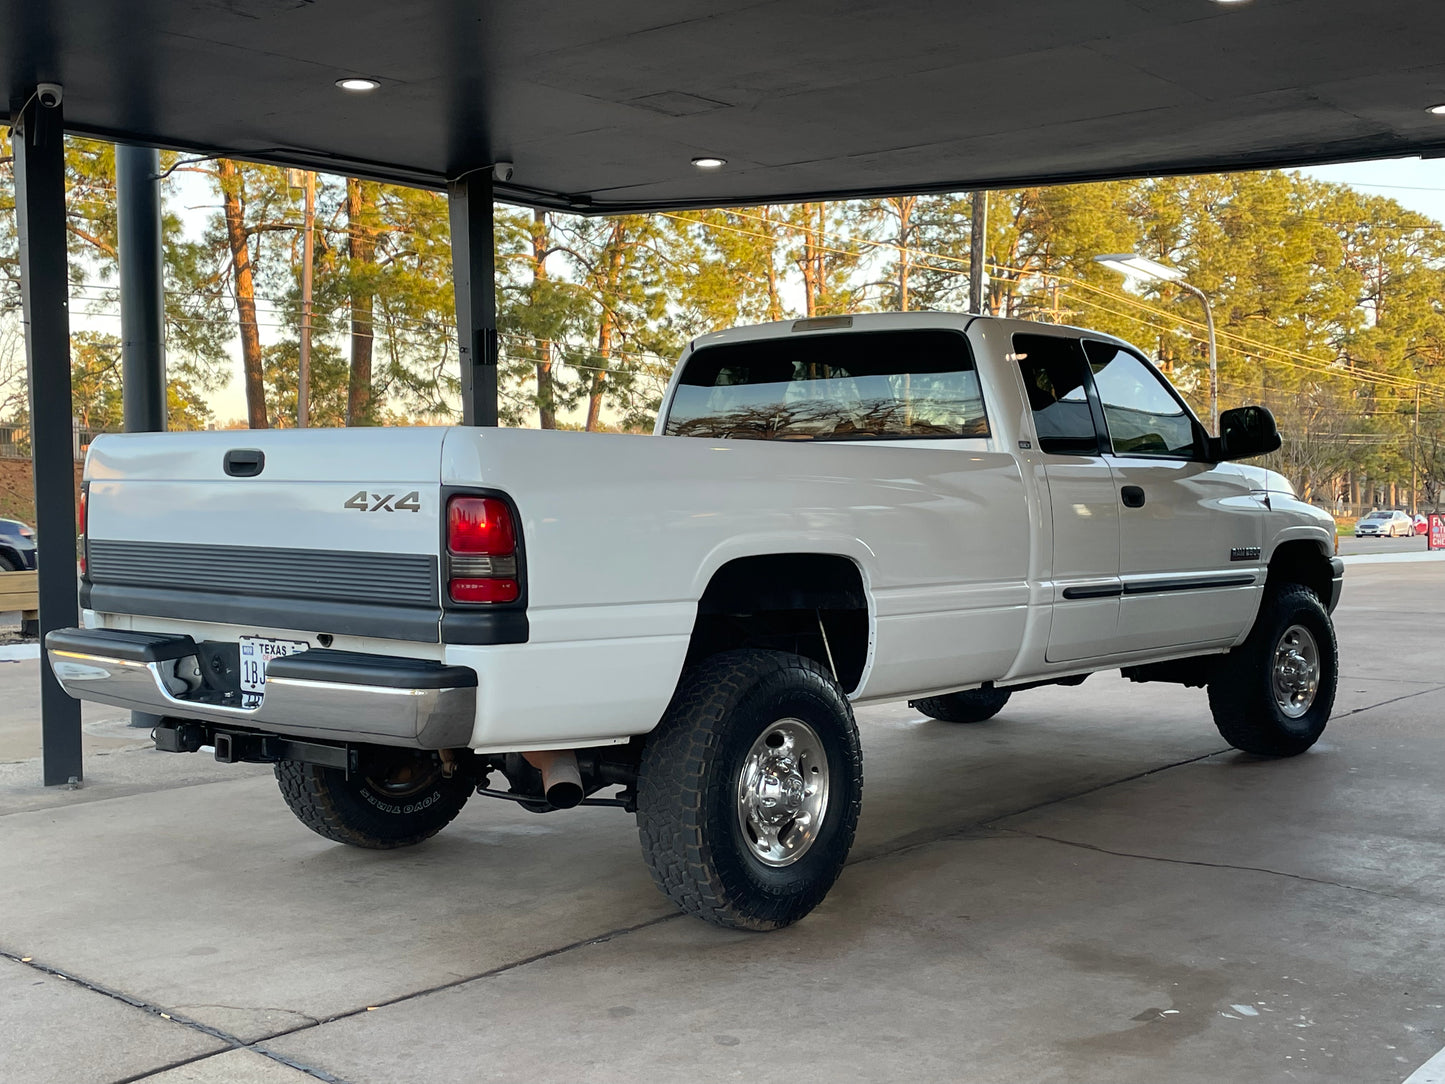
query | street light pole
(1213,357)
(1135,266)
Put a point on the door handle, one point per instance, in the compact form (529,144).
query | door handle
(244,462)
(1132,496)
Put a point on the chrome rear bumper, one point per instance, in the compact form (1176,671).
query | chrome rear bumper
(337,695)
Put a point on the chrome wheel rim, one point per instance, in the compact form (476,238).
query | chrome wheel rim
(782,792)
(1296,674)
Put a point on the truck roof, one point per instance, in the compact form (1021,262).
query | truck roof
(883,321)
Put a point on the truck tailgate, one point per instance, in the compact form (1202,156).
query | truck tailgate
(334,530)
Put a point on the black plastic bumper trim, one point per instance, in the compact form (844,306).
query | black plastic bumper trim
(1337,583)
(359,668)
(481,627)
(418,624)
(121,644)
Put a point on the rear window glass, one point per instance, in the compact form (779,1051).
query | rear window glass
(860,386)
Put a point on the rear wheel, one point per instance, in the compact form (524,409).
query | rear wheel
(6,565)
(1273,694)
(972,706)
(403,805)
(749,789)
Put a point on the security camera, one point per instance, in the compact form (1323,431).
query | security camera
(502,171)
(50,94)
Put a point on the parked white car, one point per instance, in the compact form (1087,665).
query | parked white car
(1389,524)
(834,511)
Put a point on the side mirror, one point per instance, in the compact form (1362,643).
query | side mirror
(1245,432)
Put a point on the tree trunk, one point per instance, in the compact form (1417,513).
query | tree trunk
(608,325)
(361,255)
(599,375)
(811,263)
(775,301)
(903,207)
(244,284)
(546,395)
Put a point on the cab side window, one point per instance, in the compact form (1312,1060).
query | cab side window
(1055,375)
(1143,416)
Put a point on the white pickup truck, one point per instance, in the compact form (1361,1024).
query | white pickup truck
(834,511)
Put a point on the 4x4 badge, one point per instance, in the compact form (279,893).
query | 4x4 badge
(384,503)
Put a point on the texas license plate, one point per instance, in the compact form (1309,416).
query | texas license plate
(256,652)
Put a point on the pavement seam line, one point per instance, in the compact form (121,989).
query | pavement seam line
(501,969)
(1387,703)
(1194,862)
(234,1041)
(166,1068)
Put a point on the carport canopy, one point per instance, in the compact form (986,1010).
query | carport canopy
(603,107)
(608,107)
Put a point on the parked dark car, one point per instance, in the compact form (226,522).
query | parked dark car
(17,546)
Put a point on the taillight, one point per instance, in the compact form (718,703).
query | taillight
(80,526)
(481,551)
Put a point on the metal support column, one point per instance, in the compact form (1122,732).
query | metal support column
(142,293)
(38,140)
(142,301)
(474,279)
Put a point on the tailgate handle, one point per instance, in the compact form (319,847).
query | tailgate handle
(245,462)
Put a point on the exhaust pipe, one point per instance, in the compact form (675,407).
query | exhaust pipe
(561,779)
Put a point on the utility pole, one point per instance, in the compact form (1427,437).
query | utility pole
(1415,457)
(308,254)
(978,232)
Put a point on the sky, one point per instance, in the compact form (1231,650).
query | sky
(1418,184)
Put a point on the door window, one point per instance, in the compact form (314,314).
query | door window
(1055,378)
(1143,416)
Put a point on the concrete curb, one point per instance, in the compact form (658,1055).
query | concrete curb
(19,652)
(1392,558)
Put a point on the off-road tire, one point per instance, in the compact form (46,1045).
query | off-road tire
(689,780)
(362,813)
(1241,693)
(6,565)
(971,706)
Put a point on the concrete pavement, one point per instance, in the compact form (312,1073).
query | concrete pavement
(1089,887)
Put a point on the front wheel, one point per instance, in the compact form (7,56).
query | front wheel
(749,789)
(396,807)
(1273,694)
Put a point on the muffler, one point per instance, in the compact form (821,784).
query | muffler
(561,778)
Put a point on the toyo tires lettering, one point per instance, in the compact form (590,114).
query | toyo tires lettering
(410,807)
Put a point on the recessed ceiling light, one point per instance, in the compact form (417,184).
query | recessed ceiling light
(1438,110)
(708,162)
(358,84)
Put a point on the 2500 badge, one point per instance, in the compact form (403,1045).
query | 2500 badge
(377,502)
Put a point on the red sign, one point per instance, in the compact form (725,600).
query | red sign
(1437,532)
